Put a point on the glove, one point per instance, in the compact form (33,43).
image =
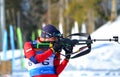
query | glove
(68,51)
(57,46)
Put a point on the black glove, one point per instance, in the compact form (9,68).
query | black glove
(68,51)
(57,47)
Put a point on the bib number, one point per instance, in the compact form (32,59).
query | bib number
(46,62)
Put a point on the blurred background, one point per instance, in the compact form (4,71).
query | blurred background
(22,20)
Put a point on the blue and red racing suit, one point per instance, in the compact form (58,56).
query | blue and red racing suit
(43,64)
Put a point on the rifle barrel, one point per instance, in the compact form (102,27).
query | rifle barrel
(103,40)
(97,40)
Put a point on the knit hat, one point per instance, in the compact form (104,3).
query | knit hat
(50,31)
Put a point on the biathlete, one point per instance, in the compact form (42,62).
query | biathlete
(45,62)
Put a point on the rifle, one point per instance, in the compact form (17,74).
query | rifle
(85,43)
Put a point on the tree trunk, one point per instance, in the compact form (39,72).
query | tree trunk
(113,10)
(91,25)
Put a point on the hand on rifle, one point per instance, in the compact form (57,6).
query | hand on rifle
(57,47)
(68,51)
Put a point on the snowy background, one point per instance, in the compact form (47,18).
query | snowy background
(102,61)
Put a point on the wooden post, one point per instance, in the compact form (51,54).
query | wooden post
(5,67)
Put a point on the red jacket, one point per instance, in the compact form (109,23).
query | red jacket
(30,53)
